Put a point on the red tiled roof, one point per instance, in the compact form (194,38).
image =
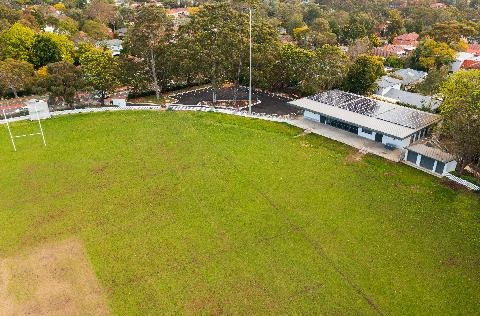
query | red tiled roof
(470,64)
(474,49)
(387,50)
(11,106)
(407,37)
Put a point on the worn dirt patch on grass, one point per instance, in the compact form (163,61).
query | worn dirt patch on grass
(55,279)
(356,156)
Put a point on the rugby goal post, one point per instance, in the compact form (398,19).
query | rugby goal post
(37,110)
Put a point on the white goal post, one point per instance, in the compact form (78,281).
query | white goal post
(37,110)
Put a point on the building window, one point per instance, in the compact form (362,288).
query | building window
(367,131)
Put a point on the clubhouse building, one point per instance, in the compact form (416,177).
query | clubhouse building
(393,125)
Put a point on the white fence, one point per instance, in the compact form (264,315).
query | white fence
(89,110)
(463,182)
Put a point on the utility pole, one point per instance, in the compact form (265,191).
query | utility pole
(250,85)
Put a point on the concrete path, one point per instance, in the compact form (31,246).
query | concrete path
(350,139)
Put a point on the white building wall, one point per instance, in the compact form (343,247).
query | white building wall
(399,143)
(366,135)
(449,167)
(119,102)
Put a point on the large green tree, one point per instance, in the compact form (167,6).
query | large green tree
(44,51)
(310,71)
(363,74)
(16,41)
(396,25)
(461,112)
(101,71)
(217,39)
(62,82)
(15,75)
(431,54)
(150,40)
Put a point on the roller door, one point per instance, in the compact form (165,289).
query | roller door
(412,157)
(427,163)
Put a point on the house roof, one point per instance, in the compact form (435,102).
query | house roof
(461,57)
(432,152)
(110,42)
(5,107)
(410,76)
(388,50)
(410,37)
(470,64)
(414,99)
(474,49)
(386,118)
(387,81)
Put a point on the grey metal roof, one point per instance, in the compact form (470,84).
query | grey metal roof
(387,118)
(387,81)
(432,152)
(410,76)
(417,100)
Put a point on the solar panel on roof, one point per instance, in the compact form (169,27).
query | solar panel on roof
(407,117)
(380,110)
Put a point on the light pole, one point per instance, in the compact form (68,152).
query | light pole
(250,68)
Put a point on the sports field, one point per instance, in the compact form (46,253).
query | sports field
(201,213)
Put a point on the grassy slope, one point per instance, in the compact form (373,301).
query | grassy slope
(194,212)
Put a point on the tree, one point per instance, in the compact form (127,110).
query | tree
(315,36)
(217,39)
(396,25)
(44,51)
(66,46)
(68,26)
(62,81)
(451,32)
(394,62)
(431,54)
(96,30)
(432,83)
(363,74)
(461,112)
(149,40)
(308,71)
(16,75)
(360,25)
(16,42)
(101,10)
(100,70)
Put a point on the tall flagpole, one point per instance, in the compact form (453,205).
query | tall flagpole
(250,85)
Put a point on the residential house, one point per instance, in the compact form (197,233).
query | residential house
(390,50)
(407,40)
(115,45)
(410,76)
(461,58)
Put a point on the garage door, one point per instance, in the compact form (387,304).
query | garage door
(427,163)
(412,157)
